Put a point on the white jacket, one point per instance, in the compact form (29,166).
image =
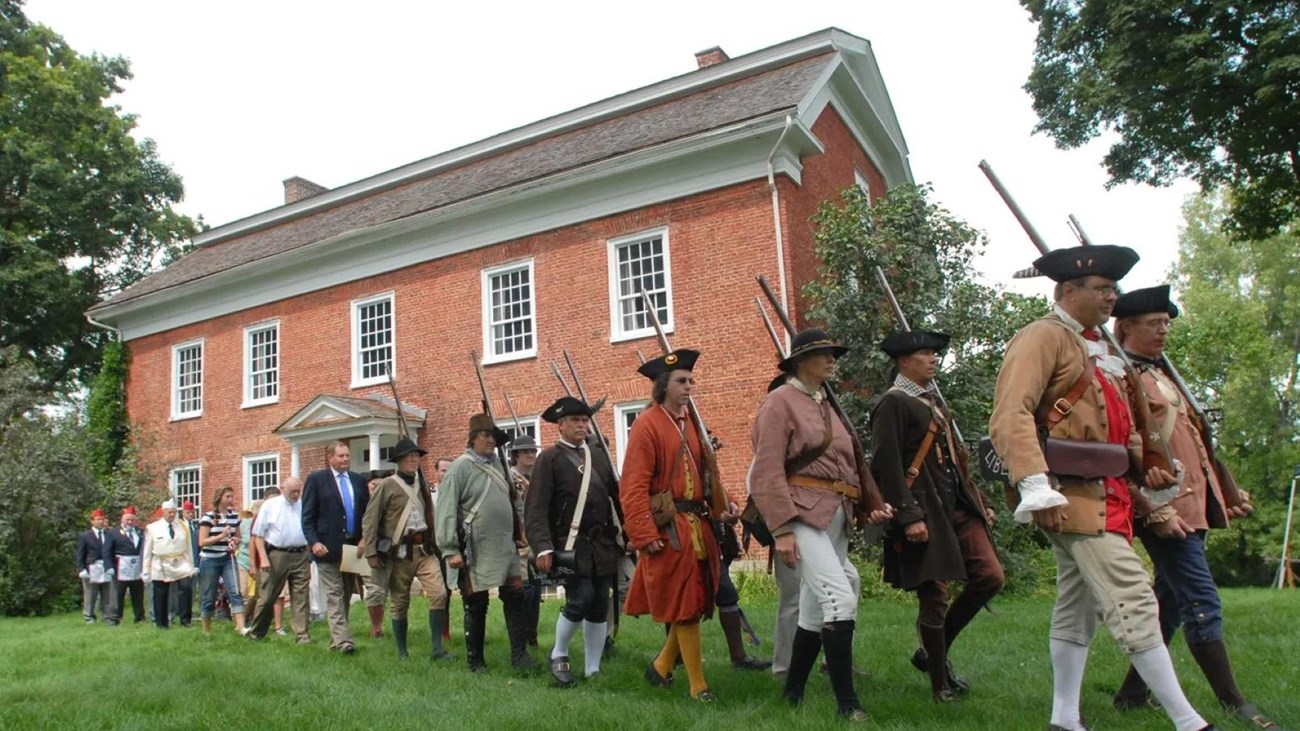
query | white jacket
(168,558)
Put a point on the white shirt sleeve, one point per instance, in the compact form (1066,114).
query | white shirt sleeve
(1036,493)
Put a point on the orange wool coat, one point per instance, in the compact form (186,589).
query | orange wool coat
(671,585)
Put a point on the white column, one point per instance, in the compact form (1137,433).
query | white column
(295,460)
(374,451)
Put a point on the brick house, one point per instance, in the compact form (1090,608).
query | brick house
(273,336)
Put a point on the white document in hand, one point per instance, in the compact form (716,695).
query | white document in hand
(351,563)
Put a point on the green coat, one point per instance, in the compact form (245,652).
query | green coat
(496,557)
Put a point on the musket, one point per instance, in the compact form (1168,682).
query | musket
(501,448)
(771,331)
(595,428)
(555,368)
(1228,483)
(511,407)
(402,428)
(714,494)
(869,499)
(1155,451)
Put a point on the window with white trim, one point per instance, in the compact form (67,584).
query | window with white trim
(187,484)
(861,182)
(373,335)
(530,426)
(262,364)
(261,472)
(624,415)
(509,312)
(639,264)
(187,380)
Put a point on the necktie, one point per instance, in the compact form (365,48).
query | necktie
(345,491)
(171,531)
(99,535)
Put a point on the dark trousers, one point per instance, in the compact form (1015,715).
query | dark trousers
(136,589)
(181,602)
(161,592)
(586,598)
(984,579)
(1184,587)
(727,594)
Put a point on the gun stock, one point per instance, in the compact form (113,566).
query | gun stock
(595,428)
(501,448)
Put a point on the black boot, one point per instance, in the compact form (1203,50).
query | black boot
(1212,657)
(803,656)
(935,644)
(1133,693)
(475,626)
(437,623)
(837,640)
(516,629)
(740,659)
(399,637)
(532,611)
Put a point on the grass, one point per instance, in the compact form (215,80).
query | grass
(58,673)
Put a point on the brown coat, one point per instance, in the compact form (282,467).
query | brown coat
(1042,363)
(385,509)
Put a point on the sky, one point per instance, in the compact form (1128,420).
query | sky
(240,95)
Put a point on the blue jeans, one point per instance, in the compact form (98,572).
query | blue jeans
(210,569)
(1184,587)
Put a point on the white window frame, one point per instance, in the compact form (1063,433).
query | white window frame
(485,284)
(357,380)
(174,485)
(249,459)
(175,380)
(616,331)
(249,332)
(861,181)
(621,430)
(526,422)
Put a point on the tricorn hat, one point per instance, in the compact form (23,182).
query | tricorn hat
(1063,265)
(807,341)
(678,360)
(405,447)
(906,343)
(524,443)
(1144,301)
(565,406)
(483,422)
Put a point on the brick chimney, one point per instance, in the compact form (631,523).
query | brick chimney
(296,189)
(711,57)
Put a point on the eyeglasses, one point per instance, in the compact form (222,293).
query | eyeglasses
(1103,291)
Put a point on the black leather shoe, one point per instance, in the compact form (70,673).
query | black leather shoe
(956,682)
(947,695)
(653,677)
(1251,715)
(751,663)
(562,673)
(705,696)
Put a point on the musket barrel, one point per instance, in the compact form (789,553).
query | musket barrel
(1034,236)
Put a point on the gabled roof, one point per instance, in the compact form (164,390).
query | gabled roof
(327,411)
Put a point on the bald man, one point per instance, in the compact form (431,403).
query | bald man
(281,548)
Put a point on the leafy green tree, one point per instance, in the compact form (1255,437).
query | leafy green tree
(106,421)
(85,208)
(1237,344)
(1207,89)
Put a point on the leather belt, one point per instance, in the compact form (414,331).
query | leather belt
(696,507)
(294,549)
(816,483)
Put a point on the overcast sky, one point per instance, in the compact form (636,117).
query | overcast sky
(241,95)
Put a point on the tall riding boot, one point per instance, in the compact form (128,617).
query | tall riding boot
(532,612)
(1213,659)
(803,655)
(475,626)
(438,623)
(399,637)
(740,660)
(935,645)
(513,600)
(1133,693)
(376,621)
(837,640)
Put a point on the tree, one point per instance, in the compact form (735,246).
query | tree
(1237,344)
(1207,89)
(85,208)
(106,421)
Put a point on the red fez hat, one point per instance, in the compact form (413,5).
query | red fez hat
(99,513)
(130,510)
(187,505)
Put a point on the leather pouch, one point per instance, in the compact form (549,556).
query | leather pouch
(662,509)
(1086,460)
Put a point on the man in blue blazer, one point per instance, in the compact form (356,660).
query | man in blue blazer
(127,545)
(333,502)
(95,567)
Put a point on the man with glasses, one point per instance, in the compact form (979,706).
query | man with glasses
(1174,534)
(1060,381)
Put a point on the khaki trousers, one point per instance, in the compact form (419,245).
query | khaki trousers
(396,576)
(337,587)
(1102,575)
(293,568)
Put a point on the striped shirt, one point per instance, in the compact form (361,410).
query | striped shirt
(216,524)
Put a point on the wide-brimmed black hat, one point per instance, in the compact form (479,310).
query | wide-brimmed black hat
(523,443)
(678,360)
(405,447)
(565,406)
(1063,265)
(906,343)
(483,422)
(1144,301)
(808,341)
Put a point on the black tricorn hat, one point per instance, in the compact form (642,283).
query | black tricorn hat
(678,360)
(1063,265)
(1144,301)
(405,447)
(483,422)
(523,443)
(565,406)
(906,343)
(808,341)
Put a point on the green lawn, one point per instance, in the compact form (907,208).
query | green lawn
(59,673)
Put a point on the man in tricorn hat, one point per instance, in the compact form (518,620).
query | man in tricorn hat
(477,532)
(1059,379)
(940,530)
(572,523)
(399,536)
(669,506)
(95,567)
(1175,534)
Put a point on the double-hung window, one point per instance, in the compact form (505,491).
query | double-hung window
(373,336)
(187,380)
(639,264)
(261,472)
(509,313)
(187,484)
(624,415)
(262,364)
(529,426)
